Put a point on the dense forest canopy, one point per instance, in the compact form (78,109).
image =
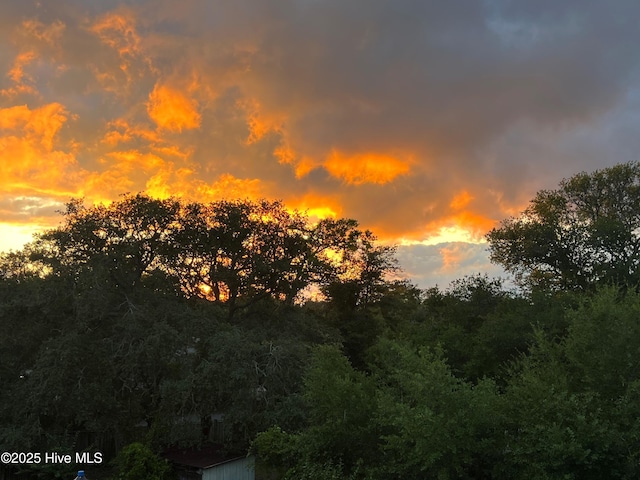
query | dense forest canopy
(149,321)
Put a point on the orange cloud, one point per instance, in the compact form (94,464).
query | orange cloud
(28,158)
(121,131)
(287,155)
(476,223)
(365,167)
(118,31)
(171,181)
(134,159)
(24,83)
(126,171)
(316,206)
(49,34)
(258,128)
(304,166)
(284,153)
(172,151)
(259,122)
(228,186)
(172,110)
(461,200)
(23,59)
(451,257)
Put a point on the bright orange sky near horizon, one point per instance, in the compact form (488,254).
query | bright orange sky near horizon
(426,123)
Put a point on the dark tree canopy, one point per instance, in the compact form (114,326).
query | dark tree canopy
(231,252)
(585,232)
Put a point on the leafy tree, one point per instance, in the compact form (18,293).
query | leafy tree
(118,245)
(357,290)
(479,325)
(362,268)
(585,232)
(569,402)
(431,424)
(554,430)
(341,402)
(281,456)
(137,461)
(328,470)
(276,450)
(235,253)
(603,343)
(239,252)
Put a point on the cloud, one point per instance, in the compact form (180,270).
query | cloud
(117,30)
(365,167)
(461,200)
(22,82)
(427,122)
(172,110)
(442,263)
(31,160)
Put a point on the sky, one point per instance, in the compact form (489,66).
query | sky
(428,122)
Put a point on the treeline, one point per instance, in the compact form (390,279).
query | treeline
(139,320)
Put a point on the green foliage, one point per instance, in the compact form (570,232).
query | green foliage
(542,412)
(432,424)
(275,446)
(409,418)
(340,402)
(327,470)
(569,399)
(603,343)
(138,462)
(479,325)
(564,409)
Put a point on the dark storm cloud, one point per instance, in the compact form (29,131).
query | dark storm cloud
(445,82)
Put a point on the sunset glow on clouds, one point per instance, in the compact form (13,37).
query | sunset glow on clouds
(426,122)
(172,110)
